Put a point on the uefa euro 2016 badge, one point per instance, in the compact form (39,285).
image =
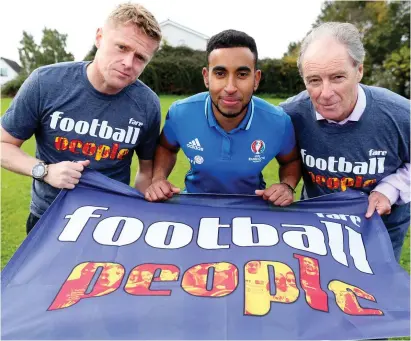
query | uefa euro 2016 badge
(198,159)
(258,148)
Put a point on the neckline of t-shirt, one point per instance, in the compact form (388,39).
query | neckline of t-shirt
(91,88)
(335,128)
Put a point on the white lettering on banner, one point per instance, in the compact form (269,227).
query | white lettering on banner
(338,216)
(314,237)
(77,222)
(266,235)
(335,239)
(372,166)
(97,128)
(357,250)
(208,237)
(129,233)
(181,235)
(119,231)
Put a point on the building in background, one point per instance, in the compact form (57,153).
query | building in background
(9,70)
(178,35)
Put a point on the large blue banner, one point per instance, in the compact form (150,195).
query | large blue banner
(103,263)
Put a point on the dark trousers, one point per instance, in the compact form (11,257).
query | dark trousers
(31,221)
(397,224)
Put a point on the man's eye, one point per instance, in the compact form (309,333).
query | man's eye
(121,47)
(314,81)
(219,73)
(243,74)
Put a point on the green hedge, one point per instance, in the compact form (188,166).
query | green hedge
(10,88)
(178,71)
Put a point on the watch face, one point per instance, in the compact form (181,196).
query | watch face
(39,170)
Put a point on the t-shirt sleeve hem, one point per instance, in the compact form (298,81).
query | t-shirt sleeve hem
(14,133)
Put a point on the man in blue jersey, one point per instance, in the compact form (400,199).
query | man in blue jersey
(97,114)
(228,135)
(351,136)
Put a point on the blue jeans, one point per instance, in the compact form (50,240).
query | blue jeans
(397,224)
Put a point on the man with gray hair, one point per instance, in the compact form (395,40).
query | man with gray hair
(95,114)
(351,136)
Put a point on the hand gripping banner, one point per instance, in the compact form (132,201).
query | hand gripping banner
(102,263)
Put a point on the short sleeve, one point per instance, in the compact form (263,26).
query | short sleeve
(146,149)
(23,116)
(169,129)
(288,136)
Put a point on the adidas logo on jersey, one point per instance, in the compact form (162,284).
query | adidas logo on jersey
(195,144)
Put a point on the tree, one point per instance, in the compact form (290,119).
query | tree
(29,53)
(51,50)
(293,51)
(385,30)
(90,55)
(53,47)
(397,71)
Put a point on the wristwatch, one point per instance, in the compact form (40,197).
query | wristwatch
(39,171)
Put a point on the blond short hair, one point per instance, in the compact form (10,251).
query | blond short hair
(137,14)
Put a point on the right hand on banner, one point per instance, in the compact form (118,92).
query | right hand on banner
(279,194)
(161,190)
(65,174)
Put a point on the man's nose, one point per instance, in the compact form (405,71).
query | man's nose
(231,86)
(327,90)
(128,60)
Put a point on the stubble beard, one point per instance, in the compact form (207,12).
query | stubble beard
(231,115)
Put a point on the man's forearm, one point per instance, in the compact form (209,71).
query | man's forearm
(290,173)
(142,181)
(396,186)
(15,160)
(164,163)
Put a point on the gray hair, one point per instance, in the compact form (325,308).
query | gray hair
(345,33)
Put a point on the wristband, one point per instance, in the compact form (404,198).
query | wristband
(289,186)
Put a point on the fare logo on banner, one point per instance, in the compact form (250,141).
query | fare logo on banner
(263,281)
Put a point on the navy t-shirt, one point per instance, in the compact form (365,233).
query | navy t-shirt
(71,121)
(355,155)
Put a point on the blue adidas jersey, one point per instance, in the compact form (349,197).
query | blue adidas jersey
(227,162)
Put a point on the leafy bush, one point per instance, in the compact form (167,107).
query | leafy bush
(10,88)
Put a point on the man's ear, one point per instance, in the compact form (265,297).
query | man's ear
(257,79)
(99,35)
(360,72)
(205,76)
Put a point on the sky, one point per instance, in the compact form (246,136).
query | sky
(273,24)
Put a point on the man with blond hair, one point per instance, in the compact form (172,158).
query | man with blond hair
(95,114)
(351,136)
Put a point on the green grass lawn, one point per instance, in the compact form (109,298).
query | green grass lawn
(15,192)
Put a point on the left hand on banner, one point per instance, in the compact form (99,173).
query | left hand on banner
(278,194)
(379,202)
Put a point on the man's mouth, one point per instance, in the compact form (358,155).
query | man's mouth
(230,101)
(123,73)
